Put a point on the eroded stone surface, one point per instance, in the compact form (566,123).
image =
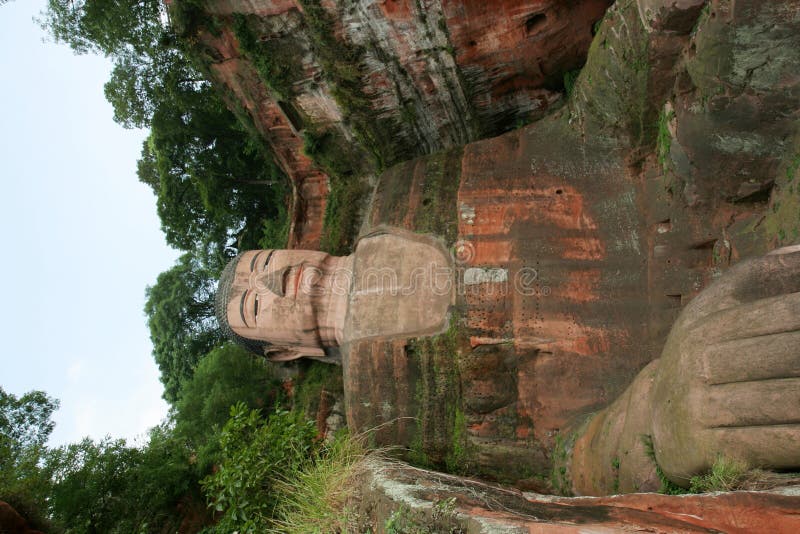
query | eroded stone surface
(613,214)
(402,286)
(435,74)
(737,116)
(446,502)
(587,301)
(670,15)
(586,201)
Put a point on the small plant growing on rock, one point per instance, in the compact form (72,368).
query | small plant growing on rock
(727,474)
(664,140)
(667,486)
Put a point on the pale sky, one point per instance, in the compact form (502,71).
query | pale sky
(82,240)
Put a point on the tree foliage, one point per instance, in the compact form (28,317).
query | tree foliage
(25,421)
(183,328)
(258,453)
(109,28)
(217,188)
(214,182)
(108,486)
(91,480)
(89,486)
(25,425)
(227,376)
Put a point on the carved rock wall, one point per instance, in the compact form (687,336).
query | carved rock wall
(591,204)
(310,185)
(435,73)
(675,156)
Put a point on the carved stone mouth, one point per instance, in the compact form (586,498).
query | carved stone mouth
(292,283)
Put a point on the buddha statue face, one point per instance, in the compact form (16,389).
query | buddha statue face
(294,303)
(292,300)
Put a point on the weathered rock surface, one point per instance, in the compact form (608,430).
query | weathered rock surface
(736,116)
(430,75)
(413,497)
(584,207)
(577,239)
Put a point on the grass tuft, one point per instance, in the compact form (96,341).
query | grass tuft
(727,474)
(320,497)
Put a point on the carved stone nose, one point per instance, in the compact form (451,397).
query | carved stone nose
(276,281)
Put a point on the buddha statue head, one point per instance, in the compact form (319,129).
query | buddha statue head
(288,304)
(284,304)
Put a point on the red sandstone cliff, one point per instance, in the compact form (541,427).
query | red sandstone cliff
(675,157)
(426,75)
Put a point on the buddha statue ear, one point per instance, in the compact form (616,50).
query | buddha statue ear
(276,353)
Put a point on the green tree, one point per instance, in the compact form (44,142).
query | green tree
(109,28)
(25,425)
(227,376)
(214,181)
(148,63)
(25,421)
(180,314)
(108,486)
(164,486)
(90,482)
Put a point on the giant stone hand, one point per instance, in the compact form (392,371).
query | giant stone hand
(729,378)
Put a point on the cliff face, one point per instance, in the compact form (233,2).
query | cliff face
(380,82)
(623,206)
(674,156)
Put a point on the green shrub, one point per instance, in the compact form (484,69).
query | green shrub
(189,16)
(316,377)
(273,59)
(275,231)
(258,456)
(343,216)
(570,77)
(664,139)
(333,154)
(227,375)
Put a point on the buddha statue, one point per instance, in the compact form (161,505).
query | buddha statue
(588,301)
(726,382)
